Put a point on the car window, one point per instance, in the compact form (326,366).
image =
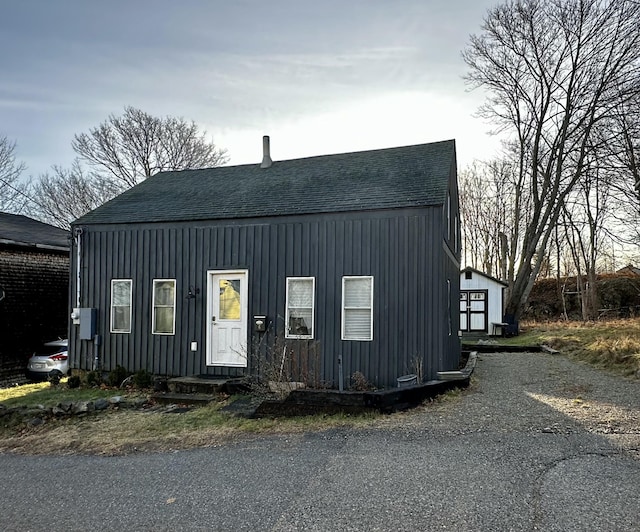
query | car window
(48,350)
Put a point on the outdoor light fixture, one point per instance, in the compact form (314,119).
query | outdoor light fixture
(193,292)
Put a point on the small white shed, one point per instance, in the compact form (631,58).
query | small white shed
(481,302)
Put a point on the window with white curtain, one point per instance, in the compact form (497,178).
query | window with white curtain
(121,305)
(300,307)
(357,308)
(164,306)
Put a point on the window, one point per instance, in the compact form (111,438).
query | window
(449,216)
(467,275)
(164,306)
(121,305)
(357,308)
(299,311)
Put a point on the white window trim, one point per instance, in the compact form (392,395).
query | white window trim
(313,312)
(153,308)
(121,331)
(344,280)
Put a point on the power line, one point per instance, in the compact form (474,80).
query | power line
(22,193)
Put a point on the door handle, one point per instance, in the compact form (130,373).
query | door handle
(213,318)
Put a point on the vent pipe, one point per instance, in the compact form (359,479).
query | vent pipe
(266,153)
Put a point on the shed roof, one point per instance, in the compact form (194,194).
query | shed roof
(487,276)
(410,176)
(20,230)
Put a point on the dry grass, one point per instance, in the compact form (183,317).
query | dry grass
(128,431)
(613,345)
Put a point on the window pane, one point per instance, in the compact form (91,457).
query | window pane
(357,324)
(229,299)
(163,306)
(300,321)
(357,308)
(121,305)
(121,319)
(164,320)
(357,293)
(163,292)
(121,293)
(300,292)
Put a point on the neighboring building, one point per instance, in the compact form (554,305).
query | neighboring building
(481,303)
(630,269)
(34,290)
(225,271)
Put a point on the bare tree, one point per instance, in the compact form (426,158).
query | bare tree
(554,69)
(66,194)
(12,192)
(584,219)
(129,148)
(120,152)
(486,214)
(620,148)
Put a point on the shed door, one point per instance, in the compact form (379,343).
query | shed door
(473,310)
(227,318)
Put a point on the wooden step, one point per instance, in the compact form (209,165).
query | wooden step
(193,385)
(183,398)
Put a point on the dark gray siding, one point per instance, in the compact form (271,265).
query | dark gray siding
(34,310)
(403,249)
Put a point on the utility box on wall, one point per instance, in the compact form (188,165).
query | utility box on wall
(87,319)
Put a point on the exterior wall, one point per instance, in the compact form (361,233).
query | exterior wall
(403,250)
(35,306)
(494,295)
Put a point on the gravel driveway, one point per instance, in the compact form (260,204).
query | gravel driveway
(540,393)
(537,443)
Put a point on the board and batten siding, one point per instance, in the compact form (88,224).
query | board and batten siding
(403,250)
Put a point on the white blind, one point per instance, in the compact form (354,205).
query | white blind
(357,308)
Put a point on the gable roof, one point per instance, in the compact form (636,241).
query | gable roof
(630,269)
(410,176)
(486,276)
(20,230)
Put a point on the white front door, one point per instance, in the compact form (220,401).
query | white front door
(227,318)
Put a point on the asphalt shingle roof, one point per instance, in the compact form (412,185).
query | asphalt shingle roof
(410,176)
(24,231)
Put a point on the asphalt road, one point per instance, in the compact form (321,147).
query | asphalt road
(498,458)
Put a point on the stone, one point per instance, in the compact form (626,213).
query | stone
(57,411)
(101,404)
(65,406)
(79,408)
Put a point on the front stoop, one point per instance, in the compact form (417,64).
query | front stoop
(196,385)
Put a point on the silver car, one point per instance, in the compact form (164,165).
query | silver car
(52,361)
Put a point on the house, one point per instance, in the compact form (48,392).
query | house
(629,269)
(481,303)
(34,290)
(328,266)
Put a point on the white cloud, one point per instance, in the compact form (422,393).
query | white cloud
(380,121)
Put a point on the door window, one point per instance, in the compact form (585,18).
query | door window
(229,299)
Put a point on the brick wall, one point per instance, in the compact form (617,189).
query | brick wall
(35,308)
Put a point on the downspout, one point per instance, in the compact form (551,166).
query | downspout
(78,239)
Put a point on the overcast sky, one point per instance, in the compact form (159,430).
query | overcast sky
(319,77)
